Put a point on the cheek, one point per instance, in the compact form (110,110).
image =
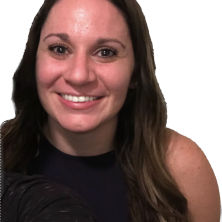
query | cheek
(42,72)
(120,86)
(47,72)
(119,77)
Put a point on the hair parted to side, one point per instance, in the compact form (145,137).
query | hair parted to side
(140,137)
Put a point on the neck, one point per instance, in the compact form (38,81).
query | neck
(92,143)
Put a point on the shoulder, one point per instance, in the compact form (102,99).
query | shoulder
(194,176)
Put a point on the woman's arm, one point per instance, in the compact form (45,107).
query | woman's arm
(195,178)
(35,199)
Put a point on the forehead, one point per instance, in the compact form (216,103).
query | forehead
(83,17)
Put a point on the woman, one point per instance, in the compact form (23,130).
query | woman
(86,88)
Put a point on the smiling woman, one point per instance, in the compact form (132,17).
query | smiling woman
(79,60)
(91,116)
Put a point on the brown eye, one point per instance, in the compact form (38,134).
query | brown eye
(58,49)
(106,53)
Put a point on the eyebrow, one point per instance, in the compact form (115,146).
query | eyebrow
(62,36)
(100,41)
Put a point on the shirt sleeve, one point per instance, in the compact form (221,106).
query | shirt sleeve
(34,199)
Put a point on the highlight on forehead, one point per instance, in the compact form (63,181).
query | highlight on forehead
(80,9)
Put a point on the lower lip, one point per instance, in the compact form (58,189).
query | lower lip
(79,105)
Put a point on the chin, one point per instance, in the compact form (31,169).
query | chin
(78,127)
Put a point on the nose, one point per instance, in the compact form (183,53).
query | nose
(80,70)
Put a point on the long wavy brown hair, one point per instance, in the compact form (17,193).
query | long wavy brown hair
(153,194)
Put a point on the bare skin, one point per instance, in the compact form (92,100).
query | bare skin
(195,178)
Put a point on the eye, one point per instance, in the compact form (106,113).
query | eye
(59,49)
(106,53)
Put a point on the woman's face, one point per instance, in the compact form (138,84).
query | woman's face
(84,64)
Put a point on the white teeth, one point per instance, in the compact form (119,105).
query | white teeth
(70,98)
(82,99)
(66,97)
(79,99)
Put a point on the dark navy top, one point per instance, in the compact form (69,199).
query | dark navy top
(98,179)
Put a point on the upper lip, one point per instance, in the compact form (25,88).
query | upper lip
(78,95)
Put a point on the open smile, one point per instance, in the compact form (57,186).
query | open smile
(78,99)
